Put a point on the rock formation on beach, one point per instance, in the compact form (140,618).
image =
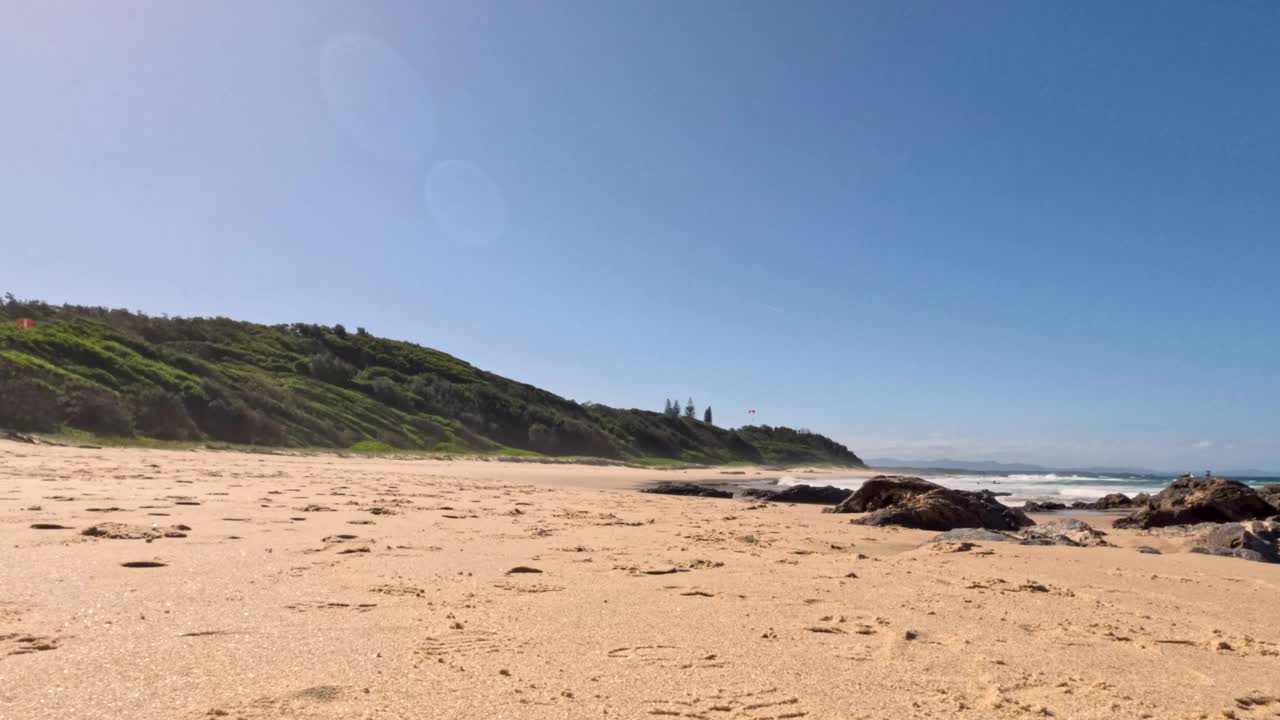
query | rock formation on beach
(1195,500)
(1255,540)
(1270,493)
(1113,501)
(809,494)
(1066,531)
(689,489)
(812,494)
(916,503)
(883,491)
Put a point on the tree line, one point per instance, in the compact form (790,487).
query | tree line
(672,409)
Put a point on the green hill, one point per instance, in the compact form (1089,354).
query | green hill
(123,374)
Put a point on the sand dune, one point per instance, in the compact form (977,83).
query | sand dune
(326,587)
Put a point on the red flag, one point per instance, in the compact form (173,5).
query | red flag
(27,323)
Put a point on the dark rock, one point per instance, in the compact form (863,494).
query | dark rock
(1067,531)
(1192,500)
(758,493)
(1259,541)
(1147,549)
(824,495)
(1054,540)
(1270,493)
(972,535)
(945,509)
(1195,532)
(1039,507)
(686,488)
(1112,501)
(1240,553)
(882,491)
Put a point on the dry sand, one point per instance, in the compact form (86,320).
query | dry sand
(323,587)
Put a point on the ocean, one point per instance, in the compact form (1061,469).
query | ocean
(1040,487)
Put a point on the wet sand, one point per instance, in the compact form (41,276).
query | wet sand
(327,587)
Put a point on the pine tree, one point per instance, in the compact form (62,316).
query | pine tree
(666,409)
(689,409)
(706,416)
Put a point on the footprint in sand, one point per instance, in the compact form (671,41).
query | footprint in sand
(1255,702)
(465,642)
(321,605)
(23,644)
(11,612)
(303,703)
(667,656)
(526,587)
(399,590)
(768,704)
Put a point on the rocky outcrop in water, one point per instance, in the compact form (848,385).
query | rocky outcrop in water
(1114,501)
(1040,507)
(1195,500)
(1108,502)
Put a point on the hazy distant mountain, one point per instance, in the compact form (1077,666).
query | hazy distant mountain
(1249,472)
(999,467)
(952,464)
(1124,470)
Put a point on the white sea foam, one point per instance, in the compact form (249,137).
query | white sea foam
(1022,487)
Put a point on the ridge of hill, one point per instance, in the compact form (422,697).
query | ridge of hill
(117,373)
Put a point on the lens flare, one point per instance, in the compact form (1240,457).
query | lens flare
(378,99)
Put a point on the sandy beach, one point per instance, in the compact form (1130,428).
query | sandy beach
(272,586)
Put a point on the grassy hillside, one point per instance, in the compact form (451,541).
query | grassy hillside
(117,373)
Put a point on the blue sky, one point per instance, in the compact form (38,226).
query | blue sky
(1043,232)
